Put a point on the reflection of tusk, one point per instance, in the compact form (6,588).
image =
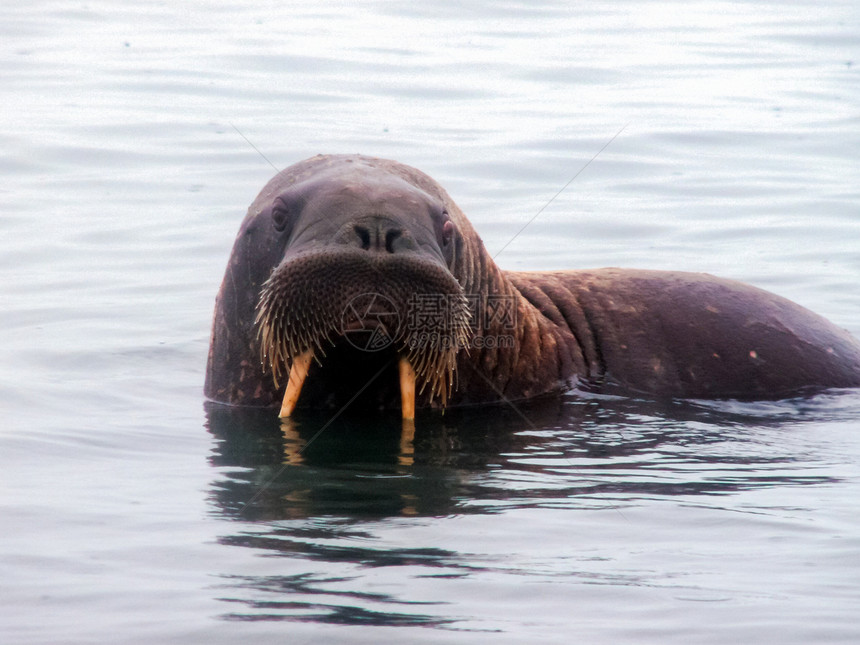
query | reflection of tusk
(407,442)
(293,443)
(298,373)
(407,389)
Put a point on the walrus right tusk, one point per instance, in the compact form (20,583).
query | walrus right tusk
(407,389)
(298,374)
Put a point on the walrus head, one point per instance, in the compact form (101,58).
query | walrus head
(349,270)
(366,269)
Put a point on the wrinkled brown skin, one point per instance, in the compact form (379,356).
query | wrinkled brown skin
(661,333)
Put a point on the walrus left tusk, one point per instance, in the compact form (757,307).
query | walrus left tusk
(407,389)
(298,374)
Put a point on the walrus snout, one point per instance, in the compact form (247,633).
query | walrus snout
(364,298)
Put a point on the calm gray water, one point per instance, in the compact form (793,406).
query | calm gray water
(133,513)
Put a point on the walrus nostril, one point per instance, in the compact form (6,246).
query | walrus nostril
(391,236)
(363,236)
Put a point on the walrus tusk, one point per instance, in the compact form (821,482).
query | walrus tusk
(407,389)
(298,374)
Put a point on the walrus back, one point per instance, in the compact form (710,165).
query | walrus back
(690,335)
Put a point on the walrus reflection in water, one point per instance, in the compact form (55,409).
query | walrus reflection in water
(358,281)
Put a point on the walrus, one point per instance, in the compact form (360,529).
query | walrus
(358,281)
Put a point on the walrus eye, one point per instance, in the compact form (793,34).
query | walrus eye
(447,232)
(280,216)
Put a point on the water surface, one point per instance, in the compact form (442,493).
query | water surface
(133,140)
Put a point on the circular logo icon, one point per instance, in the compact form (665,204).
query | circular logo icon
(370,322)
